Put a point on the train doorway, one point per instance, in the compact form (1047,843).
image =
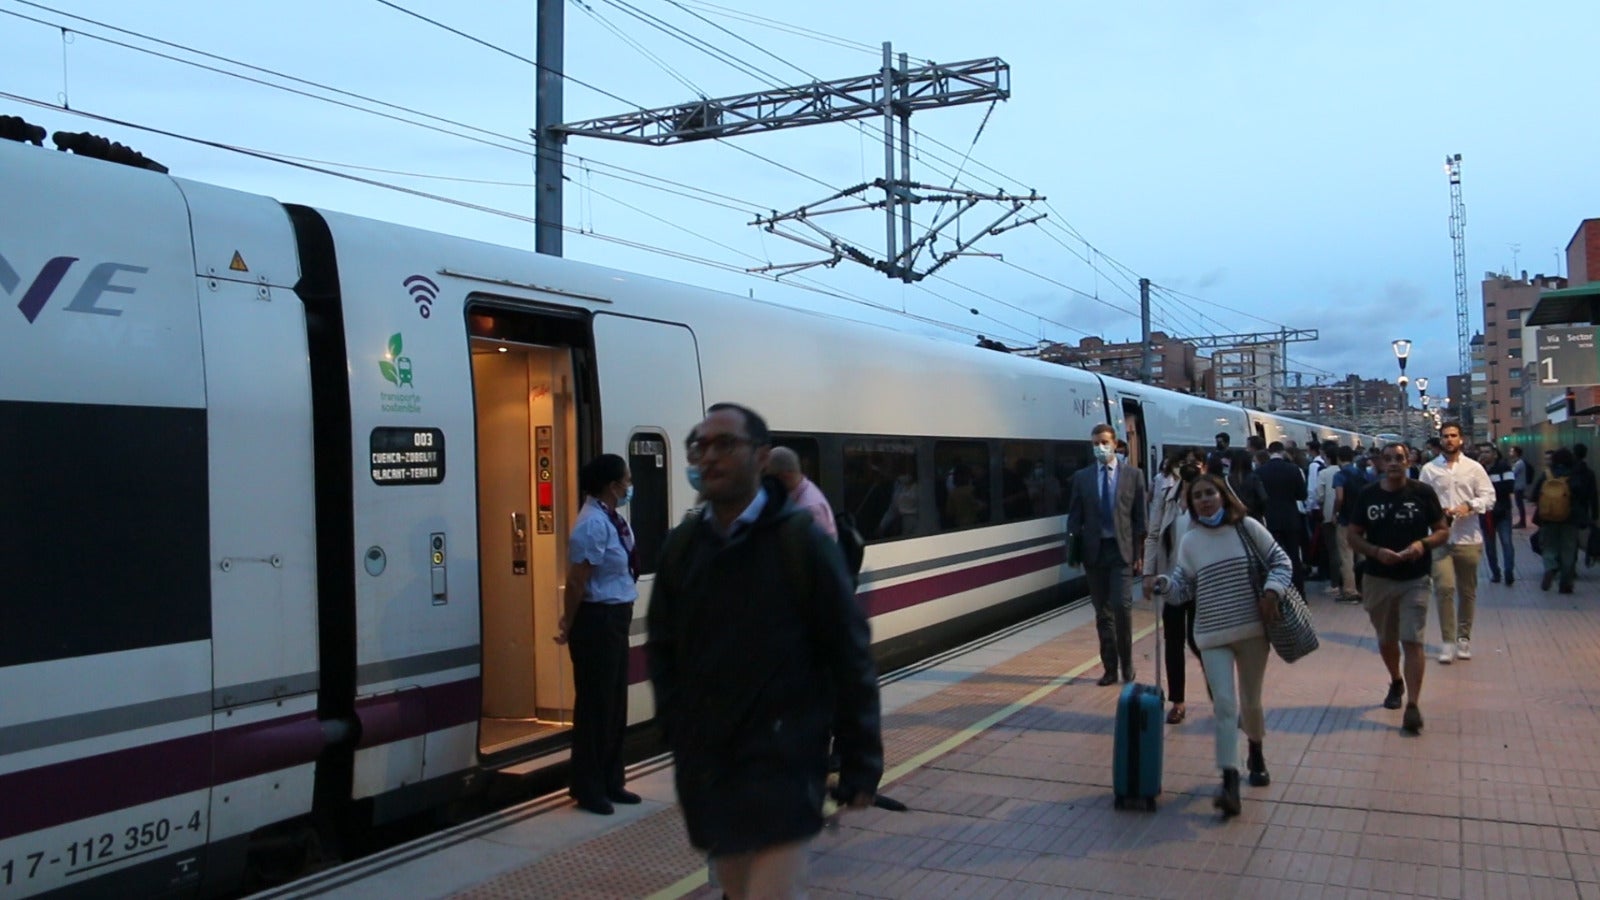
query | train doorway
(1134,431)
(528,395)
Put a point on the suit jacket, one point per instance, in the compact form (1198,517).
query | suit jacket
(1083,514)
(1286,487)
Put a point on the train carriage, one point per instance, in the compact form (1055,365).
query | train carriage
(288,492)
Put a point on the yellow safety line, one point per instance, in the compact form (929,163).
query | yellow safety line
(700,878)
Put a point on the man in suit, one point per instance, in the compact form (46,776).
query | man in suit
(1286,489)
(1107,514)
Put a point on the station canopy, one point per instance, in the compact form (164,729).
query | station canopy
(1569,306)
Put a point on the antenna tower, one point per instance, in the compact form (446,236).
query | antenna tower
(1458,242)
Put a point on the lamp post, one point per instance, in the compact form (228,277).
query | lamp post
(1402,351)
(1422,391)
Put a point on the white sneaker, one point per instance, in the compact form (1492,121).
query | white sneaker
(1448,654)
(1463,649)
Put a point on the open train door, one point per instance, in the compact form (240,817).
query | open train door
(533,395)
(1134,432)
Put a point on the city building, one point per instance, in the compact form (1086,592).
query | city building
(1355,402)
(1507,300)
(1251,375)
(1172,363)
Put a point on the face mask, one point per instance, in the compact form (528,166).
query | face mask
(1213,520)
(623,500)
(1104,452)
(694,478)
(1188,472)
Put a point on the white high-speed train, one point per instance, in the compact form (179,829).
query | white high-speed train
(285,495)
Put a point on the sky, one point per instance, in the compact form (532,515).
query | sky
(1265,164)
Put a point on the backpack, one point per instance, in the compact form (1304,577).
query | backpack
(1555,500)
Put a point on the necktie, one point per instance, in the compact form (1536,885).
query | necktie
(1106,500)
(626,535)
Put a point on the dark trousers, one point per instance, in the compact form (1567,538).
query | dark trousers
(1522,509)
(1497,529)
(1291,541)
(1177,625)
(1111,592)
(599,645)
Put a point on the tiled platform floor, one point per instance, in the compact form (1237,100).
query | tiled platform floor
(1498,798)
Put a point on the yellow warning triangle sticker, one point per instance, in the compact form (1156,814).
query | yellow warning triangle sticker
(238,263)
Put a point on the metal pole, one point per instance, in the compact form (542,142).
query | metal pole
(547,116)
(1405,417)
(905,157)
(1146,363)
(888,159)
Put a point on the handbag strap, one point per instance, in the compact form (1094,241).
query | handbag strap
(1258,575)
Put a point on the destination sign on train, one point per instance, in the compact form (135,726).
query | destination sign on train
(407,456)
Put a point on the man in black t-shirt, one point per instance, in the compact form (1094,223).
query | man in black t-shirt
(1396,523)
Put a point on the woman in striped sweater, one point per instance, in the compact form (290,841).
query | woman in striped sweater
(1213,568)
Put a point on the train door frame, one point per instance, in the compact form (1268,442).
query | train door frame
(525,460)
(1134,430)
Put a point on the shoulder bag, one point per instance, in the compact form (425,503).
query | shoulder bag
(1292,635)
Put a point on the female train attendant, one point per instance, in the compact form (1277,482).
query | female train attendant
(1215,569)
(602,566)
(1169,521)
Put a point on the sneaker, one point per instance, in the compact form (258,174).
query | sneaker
(1351,599)
(1463,649)
(1411,723)
(1448,654)
(1397,694)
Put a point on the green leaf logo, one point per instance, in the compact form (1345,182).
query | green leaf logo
(386,365)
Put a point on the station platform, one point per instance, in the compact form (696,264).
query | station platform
(1003,754)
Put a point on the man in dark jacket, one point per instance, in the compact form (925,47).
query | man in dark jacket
(1286,489)
(1496,523)
(758,651)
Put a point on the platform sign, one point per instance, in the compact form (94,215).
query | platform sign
(1568,357)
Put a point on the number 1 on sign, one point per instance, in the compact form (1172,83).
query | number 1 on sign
(1549,376)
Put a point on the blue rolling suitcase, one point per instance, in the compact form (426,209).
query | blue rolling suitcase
(1141,716)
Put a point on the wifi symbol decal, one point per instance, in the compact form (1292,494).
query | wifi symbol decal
(423,292)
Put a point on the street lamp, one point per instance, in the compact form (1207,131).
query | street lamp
(1402,351)
(1422,391)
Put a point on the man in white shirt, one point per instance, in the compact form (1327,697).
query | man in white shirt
(1465,492)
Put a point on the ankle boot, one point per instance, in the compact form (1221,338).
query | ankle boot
(1228,798)
(1257,765)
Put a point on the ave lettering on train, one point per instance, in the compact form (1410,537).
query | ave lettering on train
(96,285)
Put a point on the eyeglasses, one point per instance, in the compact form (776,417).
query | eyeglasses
(723,444)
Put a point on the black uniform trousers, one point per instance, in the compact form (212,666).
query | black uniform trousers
(599,645)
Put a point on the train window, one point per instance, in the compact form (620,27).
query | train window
(647,512)
(806,449)
(1066,458)
(961,490)
(1028,488)
(880,486)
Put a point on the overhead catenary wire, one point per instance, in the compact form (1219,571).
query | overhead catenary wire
(798,283)
(505,142)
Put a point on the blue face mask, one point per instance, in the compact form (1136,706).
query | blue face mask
(1104,452)
(1214,519)
(626,496)
(694,478)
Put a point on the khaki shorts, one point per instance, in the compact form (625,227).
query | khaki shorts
(1398,609)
